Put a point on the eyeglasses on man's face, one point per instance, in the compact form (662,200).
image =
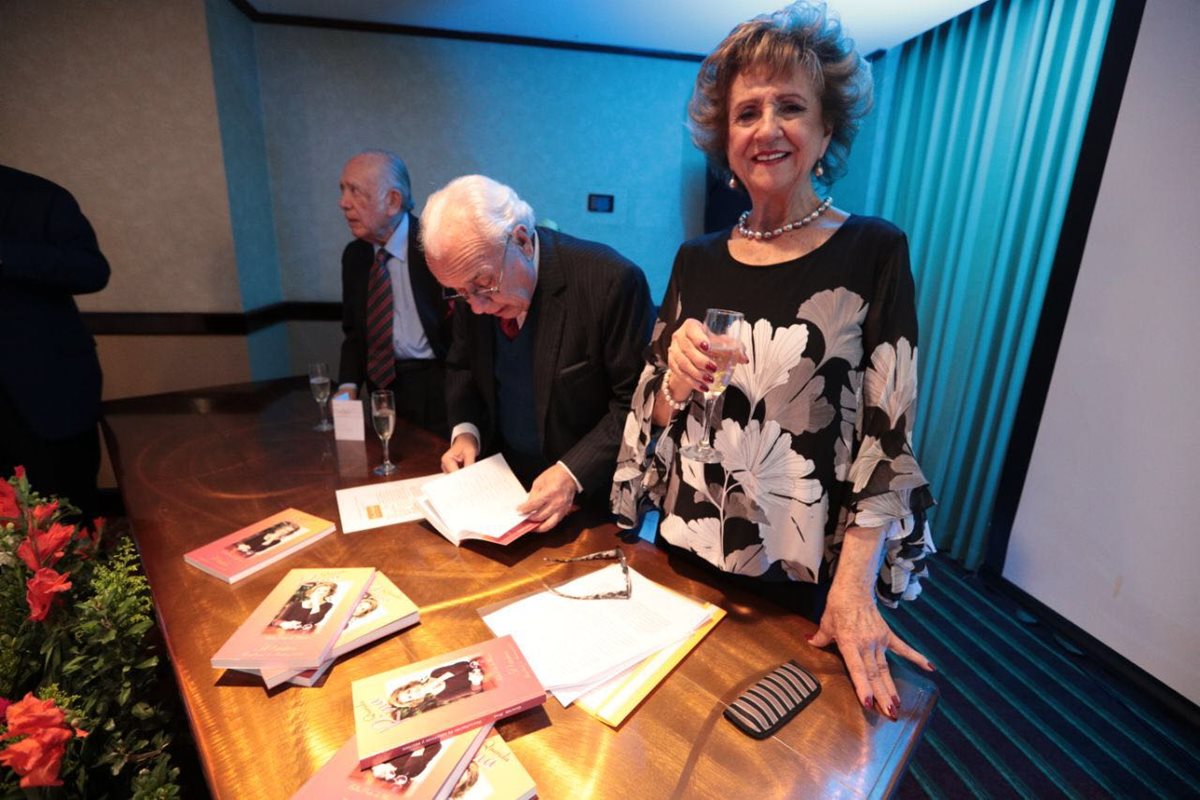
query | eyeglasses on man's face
(481,287)
(616,554)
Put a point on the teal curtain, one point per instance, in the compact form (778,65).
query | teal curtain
(972,150)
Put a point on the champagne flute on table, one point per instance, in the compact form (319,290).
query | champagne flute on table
(383,416)
(724,344)
(318,381)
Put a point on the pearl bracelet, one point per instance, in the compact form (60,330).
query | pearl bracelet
(677,405)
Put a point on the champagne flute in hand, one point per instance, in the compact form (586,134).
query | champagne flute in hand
(318,381)
(383,416)
(724,330)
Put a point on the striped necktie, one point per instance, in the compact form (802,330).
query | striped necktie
(381,357)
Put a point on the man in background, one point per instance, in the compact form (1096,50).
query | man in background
(49,373)
(395,321)
(547,344)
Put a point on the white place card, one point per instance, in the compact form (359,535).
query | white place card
(348,421)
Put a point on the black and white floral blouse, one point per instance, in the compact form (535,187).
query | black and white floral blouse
(814,432)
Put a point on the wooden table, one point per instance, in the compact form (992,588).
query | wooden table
(193,466)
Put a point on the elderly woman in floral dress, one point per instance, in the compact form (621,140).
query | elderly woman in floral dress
(817,488)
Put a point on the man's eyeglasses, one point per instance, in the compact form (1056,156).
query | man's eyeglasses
(476,292)
(604,555)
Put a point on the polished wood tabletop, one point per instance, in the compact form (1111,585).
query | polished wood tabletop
(197,465)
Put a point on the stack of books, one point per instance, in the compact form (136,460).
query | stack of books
(312,617)
(476,765)
(427,727)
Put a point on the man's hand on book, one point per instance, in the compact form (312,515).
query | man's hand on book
(550,498)
(462,453)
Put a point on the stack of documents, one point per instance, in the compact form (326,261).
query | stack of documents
(578,646)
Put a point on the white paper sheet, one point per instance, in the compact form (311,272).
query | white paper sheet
(574,644)
(379,504)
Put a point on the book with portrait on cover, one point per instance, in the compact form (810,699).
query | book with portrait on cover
(495,774)
(298,622)
(412,706)
(260,544)
(383,610)
(429,773)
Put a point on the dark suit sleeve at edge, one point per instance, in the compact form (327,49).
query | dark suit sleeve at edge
(627,317)
(68,259)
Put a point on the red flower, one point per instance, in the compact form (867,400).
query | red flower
(43,513)
(4,704)
(29,715)
(19,471)
(8,500)
(45,548)
(40,591)
(37,758)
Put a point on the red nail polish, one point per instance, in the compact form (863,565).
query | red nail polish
(712,367)
(896,702)
(704,346)
(869,703)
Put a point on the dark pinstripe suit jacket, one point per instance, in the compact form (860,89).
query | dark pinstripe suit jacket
(593,316)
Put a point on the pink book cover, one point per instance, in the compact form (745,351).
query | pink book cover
(249,549)
(430,773)
(494,774)
(383,610)
(410,707)
(298,622)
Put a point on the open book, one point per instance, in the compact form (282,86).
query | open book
(477,502)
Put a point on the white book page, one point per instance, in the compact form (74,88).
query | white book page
(574,643)
(481,498)
(379,504)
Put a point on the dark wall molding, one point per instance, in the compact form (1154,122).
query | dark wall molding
(220,323)
(254,15)
(1085,188)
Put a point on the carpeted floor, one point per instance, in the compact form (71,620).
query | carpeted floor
(1022,716)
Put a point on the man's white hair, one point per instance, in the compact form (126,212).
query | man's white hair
(491,207)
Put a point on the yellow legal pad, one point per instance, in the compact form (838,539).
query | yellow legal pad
(616,700)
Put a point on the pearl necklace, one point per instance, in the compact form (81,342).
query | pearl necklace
(791,226)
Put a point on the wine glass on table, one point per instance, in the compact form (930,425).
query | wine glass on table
(318,381)
(383,417)
(724,330)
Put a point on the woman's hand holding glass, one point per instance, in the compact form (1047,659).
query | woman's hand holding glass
(702,357)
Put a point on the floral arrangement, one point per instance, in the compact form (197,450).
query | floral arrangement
(76,647)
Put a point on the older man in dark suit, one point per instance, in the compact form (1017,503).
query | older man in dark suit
(546,348)
(395,321)
(49,373)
